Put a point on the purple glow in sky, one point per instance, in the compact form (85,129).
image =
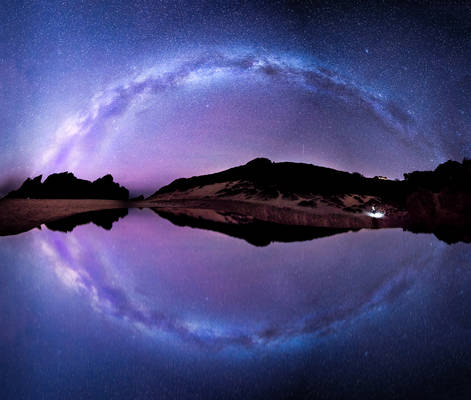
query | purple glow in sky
(201,113)
(150,91)
(161,90)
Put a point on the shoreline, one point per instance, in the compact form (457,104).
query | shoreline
(21,215)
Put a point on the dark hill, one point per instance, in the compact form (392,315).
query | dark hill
(288,178)
(66,186)
(452,175)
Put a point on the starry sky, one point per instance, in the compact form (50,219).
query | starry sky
(153,90)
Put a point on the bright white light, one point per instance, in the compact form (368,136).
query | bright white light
(375,214)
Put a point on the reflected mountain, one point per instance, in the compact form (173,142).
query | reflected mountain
(254,231)
(235,220)
(261,233)
(101,218)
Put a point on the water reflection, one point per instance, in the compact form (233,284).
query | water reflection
(203,287)
(195,313)
(255,232)
(101,218)
(252,230)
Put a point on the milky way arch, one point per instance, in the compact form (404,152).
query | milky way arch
(90,128)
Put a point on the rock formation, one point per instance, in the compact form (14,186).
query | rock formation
(66,186)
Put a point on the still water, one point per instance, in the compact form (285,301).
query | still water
(150,310)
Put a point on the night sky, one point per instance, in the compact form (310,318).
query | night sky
(151,91)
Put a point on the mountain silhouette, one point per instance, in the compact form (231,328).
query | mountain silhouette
(261,202)
(268,180)
(66,186)
(288,193)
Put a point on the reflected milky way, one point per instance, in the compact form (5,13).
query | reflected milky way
(181,310)
(194,285)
